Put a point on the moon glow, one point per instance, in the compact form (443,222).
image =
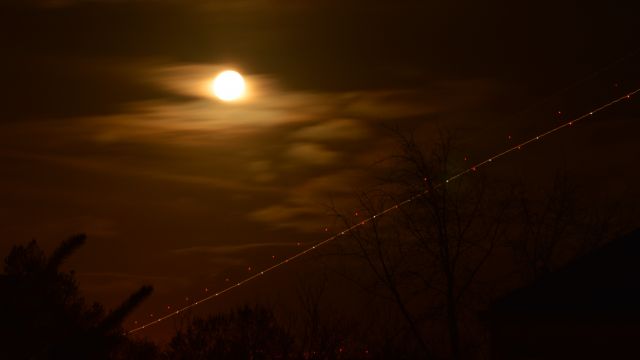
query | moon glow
(228,85)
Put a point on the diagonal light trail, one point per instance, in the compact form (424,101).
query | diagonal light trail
(385,211)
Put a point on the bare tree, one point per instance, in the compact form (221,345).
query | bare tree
(246,333)
(426,255)
(544,225)
(324,332)
(553,226)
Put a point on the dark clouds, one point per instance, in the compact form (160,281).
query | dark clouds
(93,46)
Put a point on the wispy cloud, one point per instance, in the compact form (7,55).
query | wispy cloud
(306,206)
(119,168)
(310,153)
(230,248)
(332,130)
(272,144)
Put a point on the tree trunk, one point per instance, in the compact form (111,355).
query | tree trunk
(452,320)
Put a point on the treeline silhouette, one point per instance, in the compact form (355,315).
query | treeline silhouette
(427,271)
(44,316)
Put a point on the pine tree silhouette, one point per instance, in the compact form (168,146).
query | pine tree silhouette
(45,317)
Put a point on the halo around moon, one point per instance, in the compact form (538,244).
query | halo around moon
(228,85)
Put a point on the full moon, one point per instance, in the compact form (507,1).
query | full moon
(228,85)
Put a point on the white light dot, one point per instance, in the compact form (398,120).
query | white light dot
(228,86)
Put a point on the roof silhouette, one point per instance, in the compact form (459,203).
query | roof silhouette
(606,280)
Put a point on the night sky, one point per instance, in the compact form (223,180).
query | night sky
(107,126)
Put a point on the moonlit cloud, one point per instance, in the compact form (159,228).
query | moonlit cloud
(307,207)
(309,153)
(333,130)
(276,135)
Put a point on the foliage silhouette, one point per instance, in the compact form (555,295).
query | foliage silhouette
(246,333)
(44,316)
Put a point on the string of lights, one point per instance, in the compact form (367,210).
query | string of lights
(381,213)
(628,57)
